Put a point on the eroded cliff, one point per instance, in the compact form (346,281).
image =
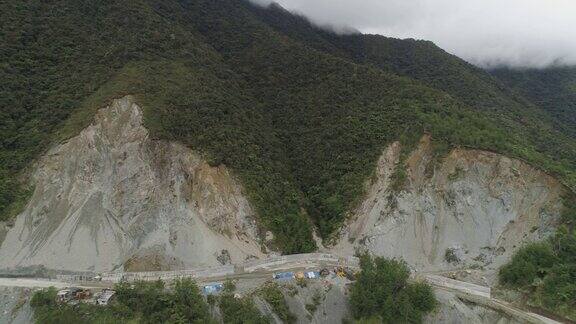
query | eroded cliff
(472,210)
(114,197)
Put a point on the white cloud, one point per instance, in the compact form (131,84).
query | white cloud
(519,33)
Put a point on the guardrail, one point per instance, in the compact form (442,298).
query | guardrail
(77,277)
(169,275)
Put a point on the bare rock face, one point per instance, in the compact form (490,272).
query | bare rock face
(15,305)
(472,210)
(113,196)
(318,302)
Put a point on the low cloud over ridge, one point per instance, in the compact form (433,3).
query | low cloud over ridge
(488,33)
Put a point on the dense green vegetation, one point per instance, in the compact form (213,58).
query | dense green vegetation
(553,89)
(528,125)
(382,293)
(240,311)
(141,304)
(76,65)
(53,56)
(299,114)
(546,271)
(152,302)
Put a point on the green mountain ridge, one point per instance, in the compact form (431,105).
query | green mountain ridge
(487,91)
(553,89)
(301,115)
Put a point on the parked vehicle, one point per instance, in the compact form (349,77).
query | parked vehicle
(63,296)
(312,275)
(69,294)
(105,297)
(212,289)
(283,276)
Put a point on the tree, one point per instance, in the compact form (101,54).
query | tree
(239,310)
(382,291)
(188,304)
(528,264)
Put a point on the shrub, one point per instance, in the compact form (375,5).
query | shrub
(273,296)
(528,264)
(547,270)
(450,256)
(45,297)
(240,311)
(316,301)
(142,303)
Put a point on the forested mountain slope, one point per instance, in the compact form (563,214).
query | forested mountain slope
(553,89)
(533,112)
(300,120)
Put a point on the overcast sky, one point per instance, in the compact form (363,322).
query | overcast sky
(519,33)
